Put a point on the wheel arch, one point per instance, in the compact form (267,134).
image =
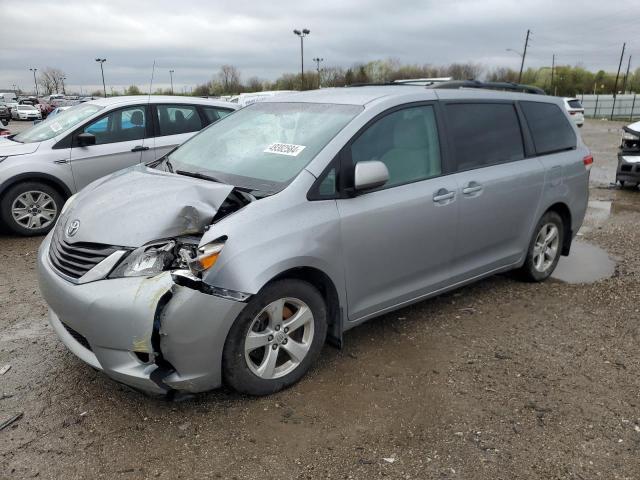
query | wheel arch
(45,178)
(323,283)
(563,210)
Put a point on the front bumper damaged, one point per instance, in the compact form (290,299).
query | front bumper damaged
(151,333)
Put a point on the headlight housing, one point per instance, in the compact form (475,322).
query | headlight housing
(165,255)
(630,136)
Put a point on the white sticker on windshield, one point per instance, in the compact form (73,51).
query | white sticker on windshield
(284,149)
(55,126)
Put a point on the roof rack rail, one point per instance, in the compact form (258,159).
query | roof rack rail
(504,86)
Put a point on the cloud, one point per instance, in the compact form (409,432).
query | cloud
(195,37)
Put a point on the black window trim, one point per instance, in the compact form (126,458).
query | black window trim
(528,129)
(70,142)
(527,142)
(343,162)
(156,122)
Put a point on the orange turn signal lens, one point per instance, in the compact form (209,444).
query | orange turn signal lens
(207,257)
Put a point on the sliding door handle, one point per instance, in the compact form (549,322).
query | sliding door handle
(443,195)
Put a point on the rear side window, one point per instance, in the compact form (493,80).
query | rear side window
(214,114)
(575,103)
(484,134)
(176,119)
(549,127)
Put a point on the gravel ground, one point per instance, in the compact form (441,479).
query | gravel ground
(498,380)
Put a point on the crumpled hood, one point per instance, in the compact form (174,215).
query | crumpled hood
(139,204)
(9,147)
(633,128)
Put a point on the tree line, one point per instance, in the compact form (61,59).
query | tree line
(562,80)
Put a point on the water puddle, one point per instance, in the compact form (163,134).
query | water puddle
(585,264)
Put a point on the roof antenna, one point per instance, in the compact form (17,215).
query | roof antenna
(153,71)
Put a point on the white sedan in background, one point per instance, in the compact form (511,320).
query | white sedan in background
(26,112)
(575,109)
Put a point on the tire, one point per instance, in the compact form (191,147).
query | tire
(535,270)
(44,214)
(249,371)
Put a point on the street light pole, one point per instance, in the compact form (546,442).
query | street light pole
(104,87)
(34,70)
(63,90)
(318,60)
(171,75)
(302,33)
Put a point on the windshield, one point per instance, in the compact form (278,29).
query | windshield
(265,145)
(58,124)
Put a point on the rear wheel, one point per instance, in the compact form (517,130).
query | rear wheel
(30,208)
(545,248)
(276,338)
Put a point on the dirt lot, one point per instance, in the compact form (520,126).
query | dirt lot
(499,380)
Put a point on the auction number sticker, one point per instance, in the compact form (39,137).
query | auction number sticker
(56,127)
(285,149)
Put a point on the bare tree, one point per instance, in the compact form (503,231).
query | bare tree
(51,80)
(229,78)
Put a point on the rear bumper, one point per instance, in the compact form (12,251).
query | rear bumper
(148,333)
(628,167)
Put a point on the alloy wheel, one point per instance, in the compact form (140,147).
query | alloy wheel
(545,249)
(34,210)
(279,338)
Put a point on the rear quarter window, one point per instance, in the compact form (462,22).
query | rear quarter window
(549,127)
(574,103)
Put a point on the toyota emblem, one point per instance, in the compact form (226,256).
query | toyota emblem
(73,228)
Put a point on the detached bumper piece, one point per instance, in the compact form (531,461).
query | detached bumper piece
(629,157)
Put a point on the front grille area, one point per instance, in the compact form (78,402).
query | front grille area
(77,337)
(76,259)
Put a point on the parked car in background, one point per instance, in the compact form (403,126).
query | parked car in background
(8,97)
(26,112)
(245,99)
(575,110)
(233,257)
(43,107)
(5,113)
(59,156)
(628,172)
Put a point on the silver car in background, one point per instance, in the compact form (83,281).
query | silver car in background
(235,257)
(43,166)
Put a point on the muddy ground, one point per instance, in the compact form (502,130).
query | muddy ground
(499,380)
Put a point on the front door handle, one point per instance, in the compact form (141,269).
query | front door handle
(139,148)
(443,195)
(471,187)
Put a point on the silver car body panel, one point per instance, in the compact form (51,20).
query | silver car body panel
(381,249)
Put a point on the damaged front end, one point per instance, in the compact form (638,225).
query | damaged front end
(138,309)
(629,155)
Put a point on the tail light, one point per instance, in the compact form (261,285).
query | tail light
(588,161)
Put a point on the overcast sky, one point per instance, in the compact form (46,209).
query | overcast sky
(195,37)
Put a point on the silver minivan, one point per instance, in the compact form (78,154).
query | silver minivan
(43,166)
(235,257)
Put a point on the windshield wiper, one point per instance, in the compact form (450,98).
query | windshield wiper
(199,175)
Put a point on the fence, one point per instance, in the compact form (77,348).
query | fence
(599,106)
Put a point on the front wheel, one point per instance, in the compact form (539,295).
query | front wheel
(276,338)
(30,208)
(545,249)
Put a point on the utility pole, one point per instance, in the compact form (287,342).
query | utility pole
(524,54)
(171,75)
(615,86)
(553,70)
(302,34)
(101,61)
(318,60)
(34,70)
(624,85)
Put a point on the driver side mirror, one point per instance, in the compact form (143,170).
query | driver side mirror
(86,139)
(369,175)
